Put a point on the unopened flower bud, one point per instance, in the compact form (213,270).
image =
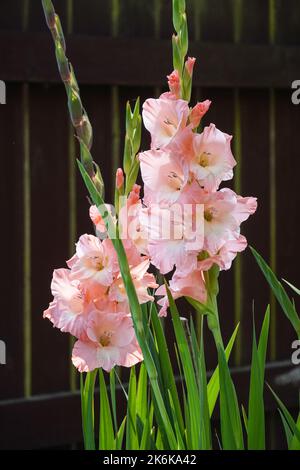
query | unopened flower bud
(198,112)
(174,84)
(119,178)
(189,65)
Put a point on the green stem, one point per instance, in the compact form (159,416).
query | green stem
(214,326)
(213,322)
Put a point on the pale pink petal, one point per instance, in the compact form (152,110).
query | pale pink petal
(94,260)
(213,161)
(164,174)
(164,118)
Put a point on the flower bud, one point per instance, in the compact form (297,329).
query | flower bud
(174,84)
(119,178)
(198,112)
(189,65)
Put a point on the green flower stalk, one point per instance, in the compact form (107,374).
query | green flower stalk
(180,44)
(132,144)
(77,112)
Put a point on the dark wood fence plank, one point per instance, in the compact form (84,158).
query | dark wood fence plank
(11,236)
(288,21)
(287,177)
(254,21)
(92,17)
(217,21)
(254,182)
(49,230)
(11,18)
(287,173)
(136,18)
(166,24)
(254,177)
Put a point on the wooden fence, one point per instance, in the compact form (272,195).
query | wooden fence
(248,54)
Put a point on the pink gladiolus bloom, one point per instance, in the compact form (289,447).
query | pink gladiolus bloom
(142,281)
(163,174)
(190,285)
(189,65)
(224,211)
(94,260)
(212,161)
(198,112)
(226,254)
(175,236)
(119,178)
(68,311)
(111,341)
(164,118)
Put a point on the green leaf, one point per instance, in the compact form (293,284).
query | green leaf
(106,429)
(213,386)
(189,372)
(129,127)
(136,113)
(295,442)
(127,156)
(180,442)
(295,428)
(142,395)
(256,412)
(132,442)
(205,431)
(287,429)
(132,176)
(245,418)
(279,292)
(136,140)
(87,387)
(147,442)
(168,379)
(120,435)
(292,287)
(112,381)
(231,426)
(142,409)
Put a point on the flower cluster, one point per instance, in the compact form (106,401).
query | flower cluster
(184,224)
(184,169)
(90,302)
